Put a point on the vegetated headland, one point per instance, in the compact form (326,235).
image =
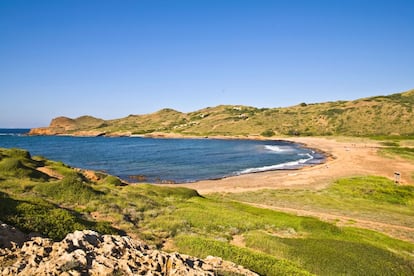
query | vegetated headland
(381,115)
(350,215)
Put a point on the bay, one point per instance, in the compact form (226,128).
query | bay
(165,160)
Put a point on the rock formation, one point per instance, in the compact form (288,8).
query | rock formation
(89,253)
(66,126)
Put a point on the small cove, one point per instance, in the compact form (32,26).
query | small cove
(157,160)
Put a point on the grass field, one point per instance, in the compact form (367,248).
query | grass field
(367,198)
(268,242)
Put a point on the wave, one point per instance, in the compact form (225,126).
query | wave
(13,131)
(286,165)
(10,134)
(277,149)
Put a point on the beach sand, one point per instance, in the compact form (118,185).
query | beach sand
(346,157)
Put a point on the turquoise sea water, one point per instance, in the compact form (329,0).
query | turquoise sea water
(157,160)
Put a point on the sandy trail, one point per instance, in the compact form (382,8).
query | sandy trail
(348,158)
(394,230)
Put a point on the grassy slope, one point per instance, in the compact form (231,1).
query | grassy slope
(275,243)
(30,199)
(367,198)
(381,116)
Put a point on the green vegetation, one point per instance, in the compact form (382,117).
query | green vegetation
(372,198)
(264,264)
(30,198)
(112,180)
(206,226)
(268,133)
(39,216)
(269,242)
(325,256)
(18,163)
(380,190)
(70,190)
(381,115)
(404,152)
(401,146)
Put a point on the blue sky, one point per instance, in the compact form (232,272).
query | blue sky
(110,59)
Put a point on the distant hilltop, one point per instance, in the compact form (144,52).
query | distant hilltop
(380,115)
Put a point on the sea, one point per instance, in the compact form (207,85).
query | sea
(158,160)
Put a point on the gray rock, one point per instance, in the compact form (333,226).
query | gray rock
(89,253)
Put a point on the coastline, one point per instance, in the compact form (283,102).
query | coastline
(345,157)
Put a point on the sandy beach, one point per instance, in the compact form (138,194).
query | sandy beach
(347,157)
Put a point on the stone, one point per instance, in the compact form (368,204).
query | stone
(10,236)
(90,253)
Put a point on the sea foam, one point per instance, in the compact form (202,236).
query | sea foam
(277,149)
(286,165)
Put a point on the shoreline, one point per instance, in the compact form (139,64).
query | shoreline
(345,157)
(326,156)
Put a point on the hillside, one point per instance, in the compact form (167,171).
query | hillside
(52,199)
(381,115)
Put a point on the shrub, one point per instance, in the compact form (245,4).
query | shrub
(268,133)
(113,180)
(36,215)
(72,189)
(14,167)
(18,153)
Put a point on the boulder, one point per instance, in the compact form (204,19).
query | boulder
(10,236)
(90,253)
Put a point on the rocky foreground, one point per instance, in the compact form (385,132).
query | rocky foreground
(89,253)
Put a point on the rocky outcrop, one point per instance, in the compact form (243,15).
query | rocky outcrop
(59,125)
(40,131)
(89,253)
(64,123)
(66,126)
(10,236)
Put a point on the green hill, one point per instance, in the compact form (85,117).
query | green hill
(381,115)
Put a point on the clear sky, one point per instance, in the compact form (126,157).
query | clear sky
(110,59)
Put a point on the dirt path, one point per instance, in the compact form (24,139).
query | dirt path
(50,172)
(397,231)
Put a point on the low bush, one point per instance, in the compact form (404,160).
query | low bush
(113,180)
(268,133)
(70,190)
(15,167)
(36,215)
(18,163)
